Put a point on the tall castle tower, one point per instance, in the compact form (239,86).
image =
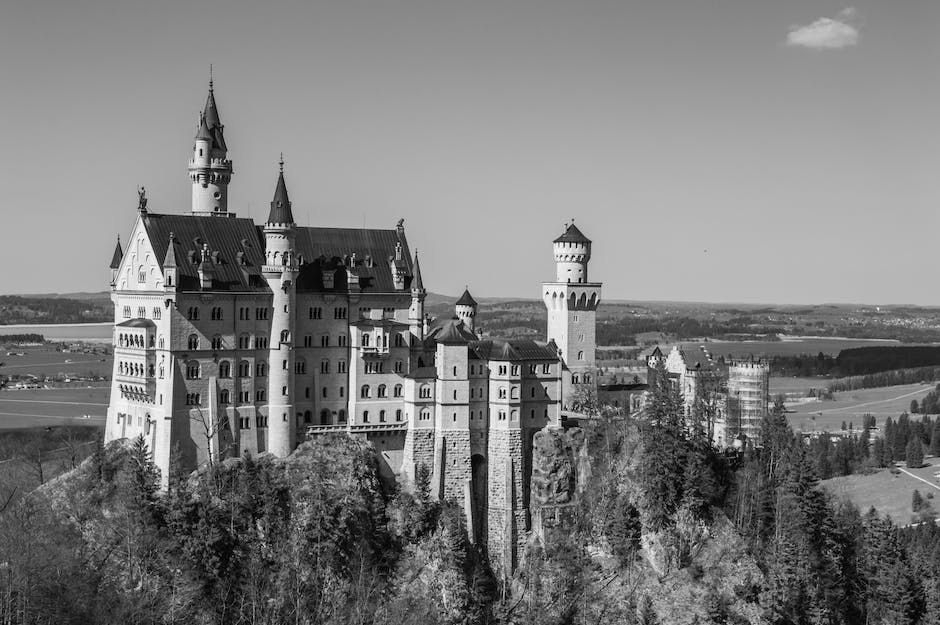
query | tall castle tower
(466,309)
(416,310)
(572,306)
(280,272)
(209,170)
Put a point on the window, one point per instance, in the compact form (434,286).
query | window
(325,366)
(381,416)
(223,396)
(300,366)
(382,391)
(425,414)
(285,336)
(342,391)
(365,416)
(455,371)
(127,312)
(575,379)
(308,340)
(261,342)
(316,312)
(546,368)
(141,274)
(193,399)
(324,392)
(216,313)
(192,370)
(365,311)
(193,342)
(244,397)
(141,312)
(325,340)
(307,392)
(341,366)
(259,395)
(502,415)
(580,355)
(309,417)
(244,314)
(284,364)
(532,392)
(502,370)
(339,313)
(160,343)
(514,392)
(225,369)
(399,340)
(261,421)
(342,416)
(397,392)
(261,313)
(156,312)
(192,313)
(425,392)
(341,340)
(399,366)
(501,393)
(244,341)
(260,369)
(244,369)
(455,394)
(365,340)
(216,342)
(515,370)
(284,391)
(365,392)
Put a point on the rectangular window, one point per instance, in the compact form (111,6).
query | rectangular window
(324,366)
(127,312)
(341,366)
(341,340)
(325,340)
(308,341)
(156,312)
(339,313)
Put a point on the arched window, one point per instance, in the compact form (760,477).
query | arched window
(244,369)
(365,416)
(308,416)
(382,391)
(225,369)
(300,366)
(365,392)
(397,392)
(501,393)
(365,340)
(514,392)
(580,355)
(261,369)
(324,417)
(425,414)
(192,370)
(399,340)
(381,416)
(425,392)
(575,379)
(223,396)
(285,336)
(532,393)
(342,415)
(216,342)
(244,341)
(398,415)
(193,342)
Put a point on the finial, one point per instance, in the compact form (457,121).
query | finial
(210,76)
(119,238)
(281,163)
(172,237)
(142,199)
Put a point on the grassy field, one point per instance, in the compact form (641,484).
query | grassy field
(888,493)
(97,332)
(796,385)
(47,361)
(889,401)
(46,407)
(812,345)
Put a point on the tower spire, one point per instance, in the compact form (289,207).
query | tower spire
(280,205)
(417,284)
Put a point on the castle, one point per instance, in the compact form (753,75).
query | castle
(232,338)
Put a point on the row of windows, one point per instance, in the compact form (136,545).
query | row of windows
(133,340)
(576,379)
(380,391)
(142,312)
(135,369)
(365,416)
(341,340)
(382,340)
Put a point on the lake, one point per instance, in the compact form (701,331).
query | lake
(95,332)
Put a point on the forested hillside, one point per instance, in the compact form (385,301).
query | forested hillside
(660,529)
(15,309)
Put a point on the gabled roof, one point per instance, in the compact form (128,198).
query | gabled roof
(513,350)
(451,332)
(117,256)
(280,206)
(466,299)
(572,235)
(331,249)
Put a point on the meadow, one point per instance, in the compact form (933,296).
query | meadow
(889,401)
(889,493)
(787,347)
(50,407)
(46,360)
(95,332)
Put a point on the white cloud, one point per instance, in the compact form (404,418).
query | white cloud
(826,33)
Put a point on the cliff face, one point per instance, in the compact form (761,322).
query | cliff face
(585,489)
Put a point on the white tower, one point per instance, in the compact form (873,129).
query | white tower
(209,170)
(416,311)
(572,306)
(466,309)
(280,272)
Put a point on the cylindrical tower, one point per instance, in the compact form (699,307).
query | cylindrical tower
(748,397)
(209,169)
(466,309)
(280,272)
(572,253)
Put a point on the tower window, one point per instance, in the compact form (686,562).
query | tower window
(580,355)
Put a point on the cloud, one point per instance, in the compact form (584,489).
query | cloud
(826,33)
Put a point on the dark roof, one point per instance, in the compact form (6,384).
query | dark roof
(240,246)
(513,350)
(117,256)
(213,122)
(451,332)
(280,205)
(696,358)
(622,387)
(203,133)
(422,373)
(378,323)
(170,259)
(572,235)
(137,323)
(416,283)
(466,299)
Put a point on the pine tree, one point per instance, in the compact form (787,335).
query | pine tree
(935,438)
(914,454)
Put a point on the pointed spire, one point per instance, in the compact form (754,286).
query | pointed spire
(203,131)
(210,117)
(170,259)
(416,283)
(466,299)
(118,255)
(280,206)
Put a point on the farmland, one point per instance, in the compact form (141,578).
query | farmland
(46,361)
(889,493)
(889,401)
(48,407)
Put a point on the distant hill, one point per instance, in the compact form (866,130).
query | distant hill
(15,309)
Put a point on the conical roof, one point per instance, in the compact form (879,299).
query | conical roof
(170,259)
(572,235)
(466,299)
(213,122)
(203,133)
(118,255)
(280,205)
(417,284)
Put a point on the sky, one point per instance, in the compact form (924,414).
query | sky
(719,150)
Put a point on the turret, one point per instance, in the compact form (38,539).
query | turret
(116,259)
(572,253)
(280,272)
(416,311)
(210,170)
(169,265)
(466,309)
